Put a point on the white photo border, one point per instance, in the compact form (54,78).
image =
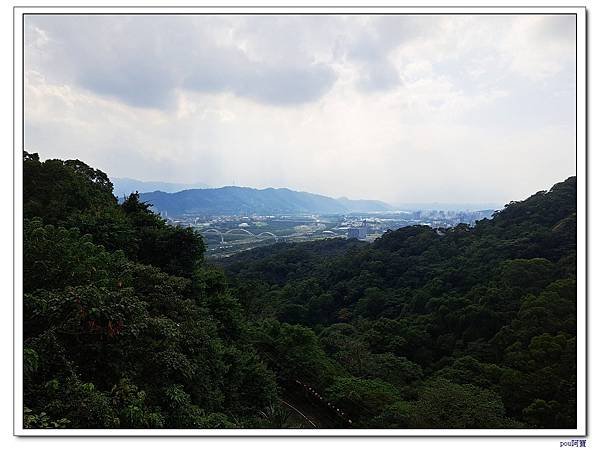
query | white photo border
(19,13)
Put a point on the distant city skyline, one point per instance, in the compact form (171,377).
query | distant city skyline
(403,109)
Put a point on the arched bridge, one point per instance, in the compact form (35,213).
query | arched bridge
(263,235)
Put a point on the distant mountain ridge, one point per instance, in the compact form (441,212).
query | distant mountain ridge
(233,200)
(364,205)
(125,186)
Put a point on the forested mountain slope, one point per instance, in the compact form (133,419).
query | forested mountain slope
(439,318)
(123,325)
(126,326)
(122,187)
(232,200)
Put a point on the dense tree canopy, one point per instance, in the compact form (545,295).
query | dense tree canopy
(481,319)
(133,335)
(125,325)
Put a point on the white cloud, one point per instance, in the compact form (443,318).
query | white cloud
(453,108)
(541,47)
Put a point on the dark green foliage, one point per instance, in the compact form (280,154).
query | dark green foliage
(175,250)
(126,326)
(111,342)
(293,351)
(475,328)
(362,399)
(443,404)
(57,190)
(113,320)
(71,194)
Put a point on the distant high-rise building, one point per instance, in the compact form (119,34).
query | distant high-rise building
(359,233)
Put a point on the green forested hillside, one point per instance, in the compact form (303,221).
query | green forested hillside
(466,327)
(234,200)
(126,326)
(123,325)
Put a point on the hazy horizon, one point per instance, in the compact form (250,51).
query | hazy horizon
(421,205)
(402,109)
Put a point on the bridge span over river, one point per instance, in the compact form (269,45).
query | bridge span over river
(259,236)
(222,234)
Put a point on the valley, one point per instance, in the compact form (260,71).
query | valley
(226,235)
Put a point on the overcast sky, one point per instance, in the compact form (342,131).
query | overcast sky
(396,108)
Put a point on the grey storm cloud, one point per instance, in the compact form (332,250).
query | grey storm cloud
(137,83)
(143,60)
(280,85)
(150,82)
